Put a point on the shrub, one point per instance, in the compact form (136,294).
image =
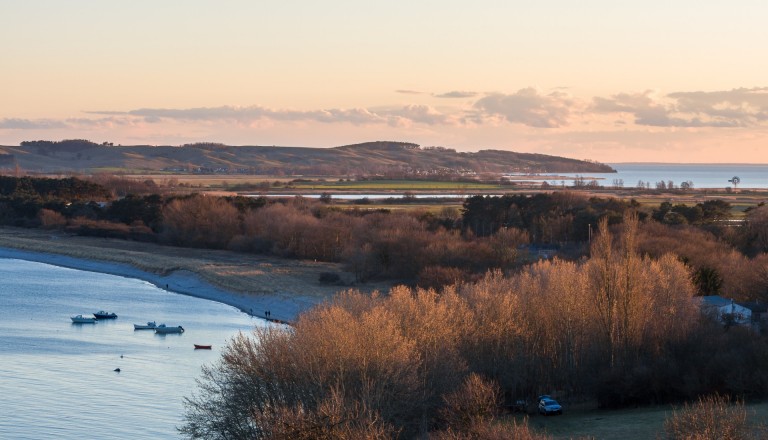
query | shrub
(711,417)
(436,277)
(51,219)
(475,401)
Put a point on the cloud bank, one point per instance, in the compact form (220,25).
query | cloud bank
(734,108)
(527,107)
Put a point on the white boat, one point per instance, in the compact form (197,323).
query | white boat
(80,319)
(149,326)
(162,329)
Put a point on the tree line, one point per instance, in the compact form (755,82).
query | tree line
(618,327)
(426,248)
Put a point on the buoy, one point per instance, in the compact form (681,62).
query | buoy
(117,370)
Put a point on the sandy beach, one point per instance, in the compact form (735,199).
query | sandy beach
(252,283)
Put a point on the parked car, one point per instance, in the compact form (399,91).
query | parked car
(548,405)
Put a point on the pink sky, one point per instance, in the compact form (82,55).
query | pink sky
(594,80)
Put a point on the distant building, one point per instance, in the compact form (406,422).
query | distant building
(725,310)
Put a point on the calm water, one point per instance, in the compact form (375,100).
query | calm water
(702,175)
(57,378)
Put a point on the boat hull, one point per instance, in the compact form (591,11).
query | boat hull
(80,319)
(202,347)
(162,330)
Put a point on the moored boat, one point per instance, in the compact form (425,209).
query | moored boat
(80,319)
(202,347)
(149,326)
(101,314)
(163,329)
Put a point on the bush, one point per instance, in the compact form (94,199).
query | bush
(711,417)
(51,219)
(436,277)
(475,401)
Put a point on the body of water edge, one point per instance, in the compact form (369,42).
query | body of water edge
(57,379)
(716,176)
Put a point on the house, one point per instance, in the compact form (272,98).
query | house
(759,315)
(725,310)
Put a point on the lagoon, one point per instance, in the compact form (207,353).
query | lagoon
(57,378)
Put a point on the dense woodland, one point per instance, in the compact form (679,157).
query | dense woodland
(480,320)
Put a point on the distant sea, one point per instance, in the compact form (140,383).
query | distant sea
(701,175)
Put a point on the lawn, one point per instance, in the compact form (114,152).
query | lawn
(625,424)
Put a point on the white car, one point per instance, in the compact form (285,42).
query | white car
(548,405)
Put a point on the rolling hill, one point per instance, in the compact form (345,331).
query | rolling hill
(366,158)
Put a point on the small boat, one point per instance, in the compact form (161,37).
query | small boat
(101,314)
(162,329)
(80,319)
(202,347)
(149,326)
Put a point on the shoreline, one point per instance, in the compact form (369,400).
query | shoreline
(254,284)
(182,282)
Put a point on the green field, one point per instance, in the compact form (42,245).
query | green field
(397,185)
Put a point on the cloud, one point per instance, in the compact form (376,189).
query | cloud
(30,124)
(529,107)
(410,114)
(409,92)
(732,108)
(68,123)
(456,94)
(250,114)
(419,114)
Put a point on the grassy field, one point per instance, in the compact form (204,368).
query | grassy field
(625,424)
(398,185)
(740,199)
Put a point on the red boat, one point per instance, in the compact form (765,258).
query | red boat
(202,347)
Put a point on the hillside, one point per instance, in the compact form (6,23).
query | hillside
(366,158)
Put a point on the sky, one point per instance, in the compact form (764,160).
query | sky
(609,81)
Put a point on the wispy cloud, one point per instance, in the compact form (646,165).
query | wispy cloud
(529,107)
(251,113)
(419,114)
(456,94)
(30,124)
(409,92)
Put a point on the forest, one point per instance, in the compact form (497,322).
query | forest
(479,321)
